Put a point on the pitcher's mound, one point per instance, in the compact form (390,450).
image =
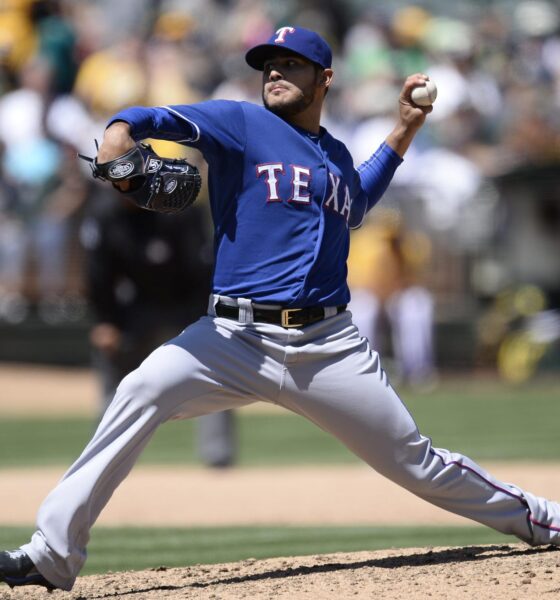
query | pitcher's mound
(508,572)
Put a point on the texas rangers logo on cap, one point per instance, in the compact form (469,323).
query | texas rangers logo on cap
(298,40)
(281,34)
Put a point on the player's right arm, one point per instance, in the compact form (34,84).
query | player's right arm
(376,173)
(411,117)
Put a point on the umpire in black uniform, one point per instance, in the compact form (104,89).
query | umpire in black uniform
(148,277)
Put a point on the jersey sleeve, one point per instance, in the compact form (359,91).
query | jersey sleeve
(373,178)
(213,126)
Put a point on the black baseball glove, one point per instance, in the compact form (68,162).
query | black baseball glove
(165,185)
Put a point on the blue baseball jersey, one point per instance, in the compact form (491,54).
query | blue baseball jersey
(282,199)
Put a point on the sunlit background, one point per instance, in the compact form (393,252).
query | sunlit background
(474,210)
(455,276)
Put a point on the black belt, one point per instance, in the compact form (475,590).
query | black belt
(287,317)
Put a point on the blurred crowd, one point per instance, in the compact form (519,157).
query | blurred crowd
(67,65)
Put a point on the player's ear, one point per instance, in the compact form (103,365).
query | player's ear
(326,77)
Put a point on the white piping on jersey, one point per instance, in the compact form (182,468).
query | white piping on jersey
(197,129)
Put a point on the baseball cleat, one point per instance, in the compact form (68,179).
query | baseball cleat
(16,568)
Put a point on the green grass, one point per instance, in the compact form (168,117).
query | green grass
(492,422)
(484,421)
(119,549)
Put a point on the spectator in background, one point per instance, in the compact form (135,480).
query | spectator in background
(13,307)
(46,192)
(148,276)
(384,269)
(56,41)
(112,77)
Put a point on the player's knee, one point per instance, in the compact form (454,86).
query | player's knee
(430,472)
(412,466)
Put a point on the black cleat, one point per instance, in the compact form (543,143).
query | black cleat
(16,568)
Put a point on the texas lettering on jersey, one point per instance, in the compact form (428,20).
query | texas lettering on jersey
(338,196)
(289,257)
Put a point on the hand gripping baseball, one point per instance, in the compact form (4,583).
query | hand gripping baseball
(155,183)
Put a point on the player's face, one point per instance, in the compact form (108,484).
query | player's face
(290,84)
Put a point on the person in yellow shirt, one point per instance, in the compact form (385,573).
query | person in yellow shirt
(384,274)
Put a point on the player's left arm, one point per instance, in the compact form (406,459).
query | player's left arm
(210,126)
(213,126)
(136,123)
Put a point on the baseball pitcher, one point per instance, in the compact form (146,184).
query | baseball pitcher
(284,194)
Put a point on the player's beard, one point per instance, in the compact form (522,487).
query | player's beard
(292,107)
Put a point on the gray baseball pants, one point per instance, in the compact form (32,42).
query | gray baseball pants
(325,372)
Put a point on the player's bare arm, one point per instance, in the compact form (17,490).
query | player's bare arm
(116,142)
(411,116)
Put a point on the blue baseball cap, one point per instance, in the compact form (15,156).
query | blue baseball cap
(301,41)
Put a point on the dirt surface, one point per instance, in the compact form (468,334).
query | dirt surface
(498,572)
(47,391)
(336,495)
(304,496)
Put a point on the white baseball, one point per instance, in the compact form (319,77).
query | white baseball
(424,95)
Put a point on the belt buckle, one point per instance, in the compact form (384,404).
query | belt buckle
(285,316)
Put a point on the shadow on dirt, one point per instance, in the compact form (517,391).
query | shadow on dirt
(418,559)
(454,555)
